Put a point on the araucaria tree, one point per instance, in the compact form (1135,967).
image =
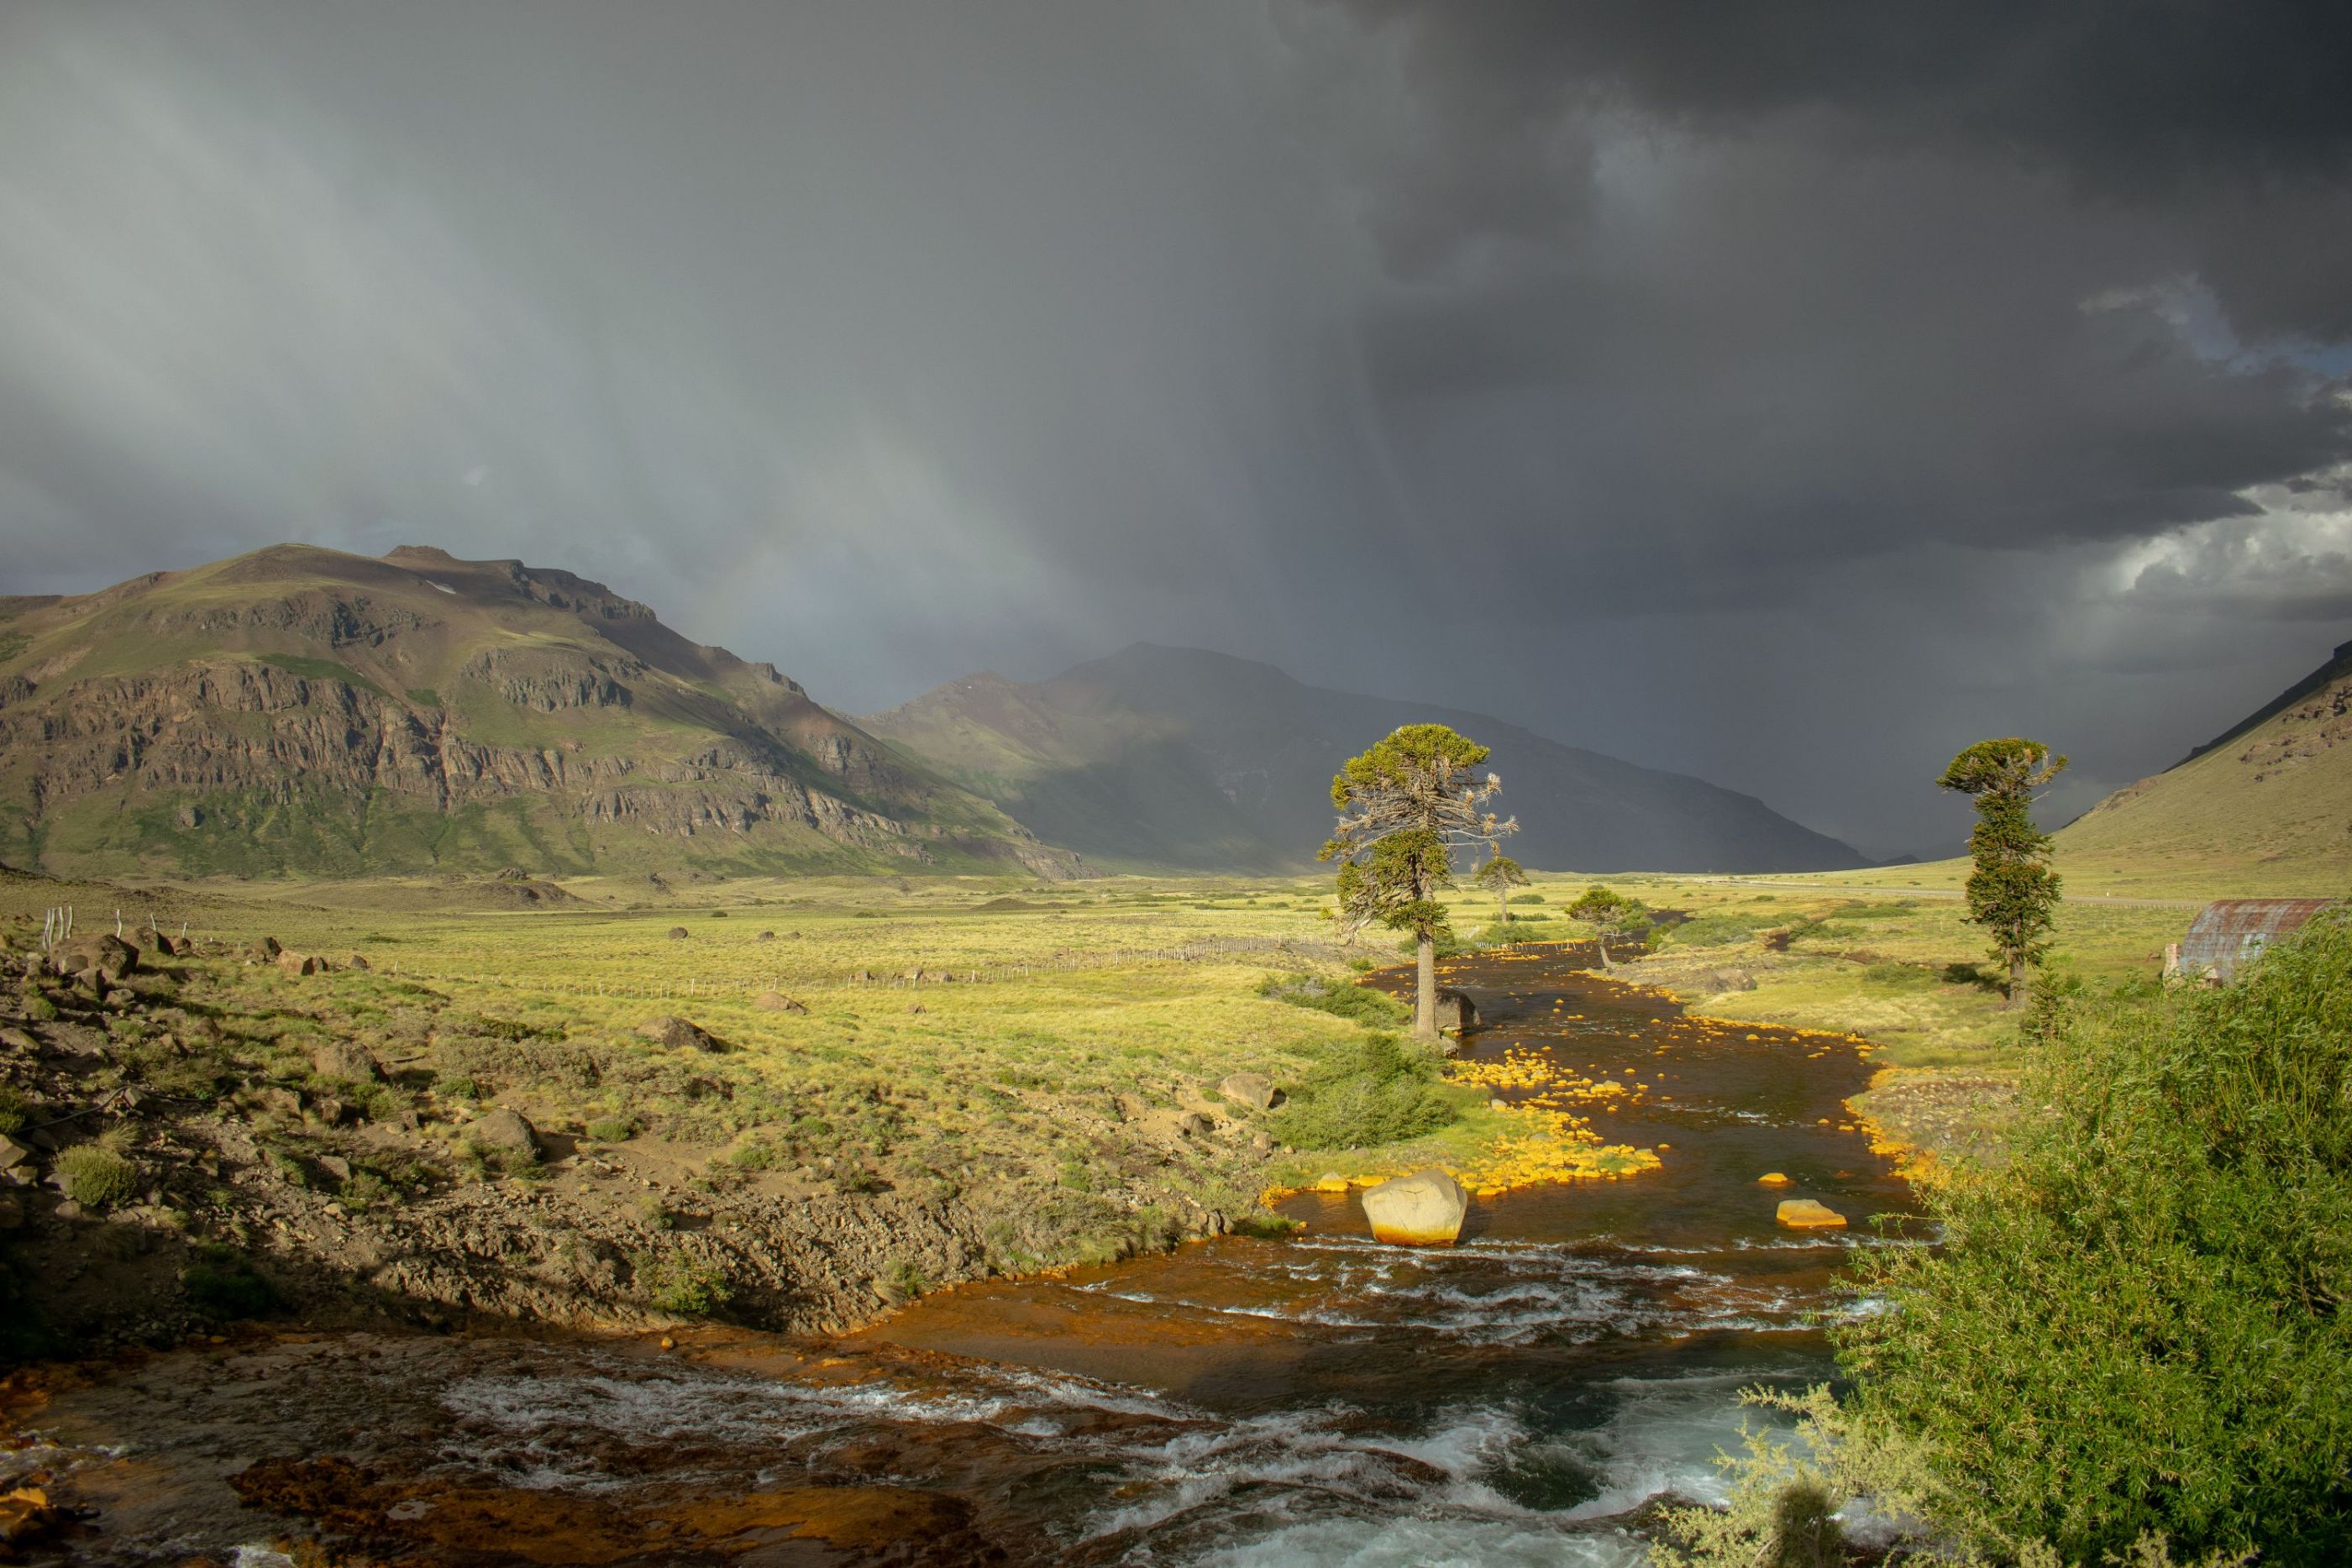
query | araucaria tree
(1406,807)
(2013,892)
(1610,914)
(1500,874)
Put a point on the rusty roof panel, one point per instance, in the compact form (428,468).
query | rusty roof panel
(2229,932)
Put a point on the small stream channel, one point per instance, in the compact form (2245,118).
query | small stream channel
(1317,1400)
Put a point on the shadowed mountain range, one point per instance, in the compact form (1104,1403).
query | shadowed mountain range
(1180,757)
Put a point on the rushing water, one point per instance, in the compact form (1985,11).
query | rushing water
(1319,1400)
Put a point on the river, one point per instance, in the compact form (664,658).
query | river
(1316,1400)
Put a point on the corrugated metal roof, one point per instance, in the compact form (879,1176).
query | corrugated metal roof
(2233,931)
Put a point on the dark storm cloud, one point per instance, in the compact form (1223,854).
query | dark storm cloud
(1790,393)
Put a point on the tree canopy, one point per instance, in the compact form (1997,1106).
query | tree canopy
(2013,892)
(1406,807)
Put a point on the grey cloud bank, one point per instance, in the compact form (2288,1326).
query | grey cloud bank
(1786,395)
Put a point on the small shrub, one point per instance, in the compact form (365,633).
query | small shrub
(1528,898)
(41,1008)
(12,1109)
(222,1284)
(97,1177)
(678,1283)
(1264,1223)
(1716,930)
(364,1190)
(756,1157)
(456,1086)
(612,1130)
(1377,1090)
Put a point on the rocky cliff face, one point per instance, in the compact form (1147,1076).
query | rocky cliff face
(301,711)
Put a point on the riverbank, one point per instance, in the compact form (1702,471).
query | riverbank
(1303,1399)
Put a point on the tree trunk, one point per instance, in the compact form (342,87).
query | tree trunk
(2016,981)
(1503,905)
(1425,988)
(1601,942)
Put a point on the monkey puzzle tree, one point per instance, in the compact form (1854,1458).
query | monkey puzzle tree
(1406,807)
(2013,892)
(1501,874)
(1610,914)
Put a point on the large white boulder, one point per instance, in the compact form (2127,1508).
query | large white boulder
(1424,1209)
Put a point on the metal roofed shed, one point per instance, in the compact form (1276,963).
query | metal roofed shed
(2231,933)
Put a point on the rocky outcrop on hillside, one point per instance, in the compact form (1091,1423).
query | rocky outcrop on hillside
(179,732)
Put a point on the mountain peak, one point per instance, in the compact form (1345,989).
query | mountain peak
(302,710)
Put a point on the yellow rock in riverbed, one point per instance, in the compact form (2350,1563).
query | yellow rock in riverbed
(1771,1178)
(1804,1214)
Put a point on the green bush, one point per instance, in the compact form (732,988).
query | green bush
(12,1109)
(97,1177)
(1716,930)
(676,1283)
(1376,1090)
(612,1130)
(221,1284)
(1359,1004)
(1527,898)
(2143,1324)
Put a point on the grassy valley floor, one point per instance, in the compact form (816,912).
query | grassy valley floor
(871,1089)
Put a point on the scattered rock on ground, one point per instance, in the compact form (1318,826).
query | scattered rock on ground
(677,933)
(1424,1209)
(298,963)
(1456,1011)
(344,1061)
(1251,1089)
(680,1034)
(506,1132)
(777,1002)
(103,954)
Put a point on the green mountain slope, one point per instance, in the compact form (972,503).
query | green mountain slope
(2266,806)
(1178,757)
(301,711)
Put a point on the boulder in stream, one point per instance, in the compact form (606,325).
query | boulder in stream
(1456,1013)
(1424,1209)
(1806,1213)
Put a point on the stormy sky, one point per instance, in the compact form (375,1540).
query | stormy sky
(1790,394)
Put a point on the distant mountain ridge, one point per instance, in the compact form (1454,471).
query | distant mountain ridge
(303,711)
(2267,804)
(1184,758)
